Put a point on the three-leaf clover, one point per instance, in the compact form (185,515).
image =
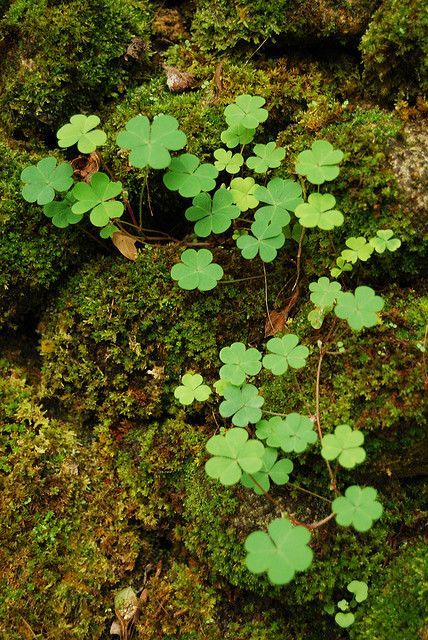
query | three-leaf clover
(281,196)
(81,131)
(270,430)
(189,177)
(319,164)
(358,249)
(44,178)
(342,266)
(319,212)
(281,552)
(358,507)
(384,240)
(192,389)
(246,111)
(243,404)
(150,143)
(285,352)
(233,136)
(360,309)
(96,197)
(61,213)
(212,215)
(233,454)
(359,589)
(265,241)
(324,293)
(243,190)
(226,161)
(276,470)
(197,270)
(295,433)
(266,156)
(344,444)
(239,362)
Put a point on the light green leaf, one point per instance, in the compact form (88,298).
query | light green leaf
(233,136)
(342,266)
(277,470)
(319,164)
(358,507)
(81,131)
(196,270)
(344,444)
(359,309)
(108,231)
(344,620)
(285,353)
(295,433)
(96,197)
(384,240)
(343,605)
(212,215)
(189,177)
(60,212)
(281,196)
(319,212)
(233,454)
(265,241)
(324,293)
(44,178)
(192,389)
(226,161)
(246,111)
(359,249)
(243,404)
(359,589)
(239,362)
(269,429)
(317,315)
(242,190)
(266,156)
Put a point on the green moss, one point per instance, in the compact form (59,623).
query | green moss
(395,50)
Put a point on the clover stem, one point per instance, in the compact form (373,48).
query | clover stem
(239,279)
(318,417)
(149,202)
(299,259)
(125,199)
(311,493)
(320,523)
(266,298)
(266,493)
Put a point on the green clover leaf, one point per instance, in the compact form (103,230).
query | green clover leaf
(267,156)
(233,454)
(295,433)
(265,241)
(359,309)
(384,240)
(343,605)
(243,404)
(196,270)
(344,620)
(269,429)
(281,196)
(319,164)
(239,363)
(281,552)
(319,212)
(61,212)
(342,266)
(358,507)
(277,471)
(246,111)
(316,316)
(226,161)
(96,197)
(81,131)
(108,231)
(192,389)
(285,353)
(359,589)
(44,178)
(242,190)
(344,444)
(150,144)
(212,215)
(359,249)
(233,136)
(189,177)
(324,293)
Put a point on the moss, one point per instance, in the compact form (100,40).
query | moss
(395,51)
(62,58)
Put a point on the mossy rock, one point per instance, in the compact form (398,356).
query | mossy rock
(395,50)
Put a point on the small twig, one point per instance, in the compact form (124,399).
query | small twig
(315,525)
(255,51)
(239,279)
(299,259)
(266,493)
(311,493)
(266,298)
(27,626)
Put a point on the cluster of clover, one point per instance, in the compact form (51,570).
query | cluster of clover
(287,210)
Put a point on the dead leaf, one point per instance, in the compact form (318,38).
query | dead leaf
(137,50)
(177,80)
(85,166)
(275,322)
(125,244)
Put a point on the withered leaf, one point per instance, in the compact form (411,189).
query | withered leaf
(177,80)
(84,167)
(125,244)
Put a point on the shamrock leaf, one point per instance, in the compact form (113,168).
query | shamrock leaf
(242,190)
(282,196)
(226,161)
(233,136)
(343,605)
(285,353)
(265,241)
(344,444)
(319,163)
(246,111)
(61,213)
(342,266)
(280,552)
(316,316)
(295,433)
(196,270)
(267,156)
(384,240)
(44,178)
(270,430)
(150,143)
(324,292)
(189,177)
(192,389)
(344,620)
(358,507)
(359,309)
(212,215)
(81,131)
(96,197)
(319,212)
(278,471)
(233,453)
(239,362)
(359,589)
(359,249)
(108,231)
(243,404)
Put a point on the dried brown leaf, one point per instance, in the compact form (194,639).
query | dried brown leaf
(125,244)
